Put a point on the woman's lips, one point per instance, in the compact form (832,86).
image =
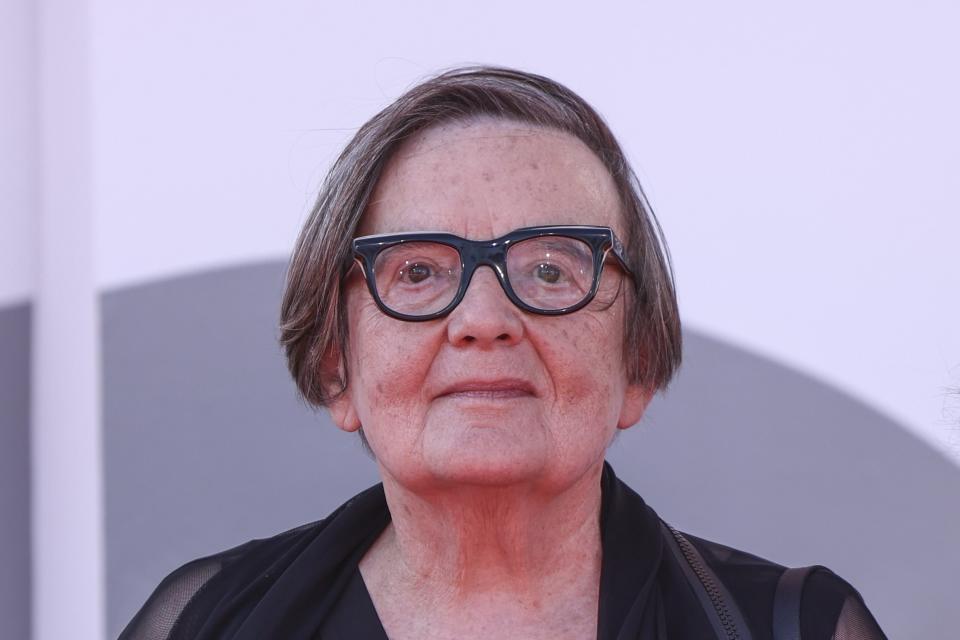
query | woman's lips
(502,389)
(502,394)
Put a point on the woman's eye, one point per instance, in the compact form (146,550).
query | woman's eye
(417,272)
(549,273)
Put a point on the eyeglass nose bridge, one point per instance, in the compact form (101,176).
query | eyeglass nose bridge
(493,255)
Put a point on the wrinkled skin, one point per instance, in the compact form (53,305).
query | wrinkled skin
(481,180)
(494,493)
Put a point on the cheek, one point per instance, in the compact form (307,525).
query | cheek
(590,354)
(389,361)
(586,368)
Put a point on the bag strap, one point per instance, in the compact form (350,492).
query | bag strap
(719,606)
(786,603)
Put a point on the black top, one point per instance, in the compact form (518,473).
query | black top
(306,584)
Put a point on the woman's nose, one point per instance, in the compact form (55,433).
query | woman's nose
(485,316)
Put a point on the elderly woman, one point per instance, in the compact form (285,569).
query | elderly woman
(481,292)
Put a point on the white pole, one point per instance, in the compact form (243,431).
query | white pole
(67,502)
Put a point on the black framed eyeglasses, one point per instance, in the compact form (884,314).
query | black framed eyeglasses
(548,270)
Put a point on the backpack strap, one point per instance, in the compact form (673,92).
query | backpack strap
(718,605)
(786,603)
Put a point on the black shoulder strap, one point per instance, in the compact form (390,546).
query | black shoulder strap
(786,603)
(717,603)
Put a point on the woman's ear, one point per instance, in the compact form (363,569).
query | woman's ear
(341,407)
(635,402)
(343,412)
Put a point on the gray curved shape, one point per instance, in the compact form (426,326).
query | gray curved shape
(15,470)
(748,452)
(206,446)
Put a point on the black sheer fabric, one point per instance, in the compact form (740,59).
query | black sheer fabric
(855,622)
(305,584)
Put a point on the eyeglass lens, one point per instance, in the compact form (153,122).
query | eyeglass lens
(545,272)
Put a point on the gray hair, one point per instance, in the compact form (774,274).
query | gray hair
(313,318)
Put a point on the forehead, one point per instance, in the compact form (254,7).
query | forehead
(483,178)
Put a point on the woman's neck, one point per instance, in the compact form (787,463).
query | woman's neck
(473,542)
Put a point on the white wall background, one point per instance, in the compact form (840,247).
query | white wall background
(18,151)
(803,159)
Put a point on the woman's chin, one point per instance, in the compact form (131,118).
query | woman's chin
(487,455)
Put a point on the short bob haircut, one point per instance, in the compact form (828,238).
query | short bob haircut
(313,320)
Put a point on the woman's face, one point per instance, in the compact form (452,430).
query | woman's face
(489,394)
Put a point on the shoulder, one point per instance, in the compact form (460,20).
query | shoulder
(828,603)
(169,610)
(214,596)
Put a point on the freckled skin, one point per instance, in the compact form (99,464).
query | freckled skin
(494,501)
(481,180)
